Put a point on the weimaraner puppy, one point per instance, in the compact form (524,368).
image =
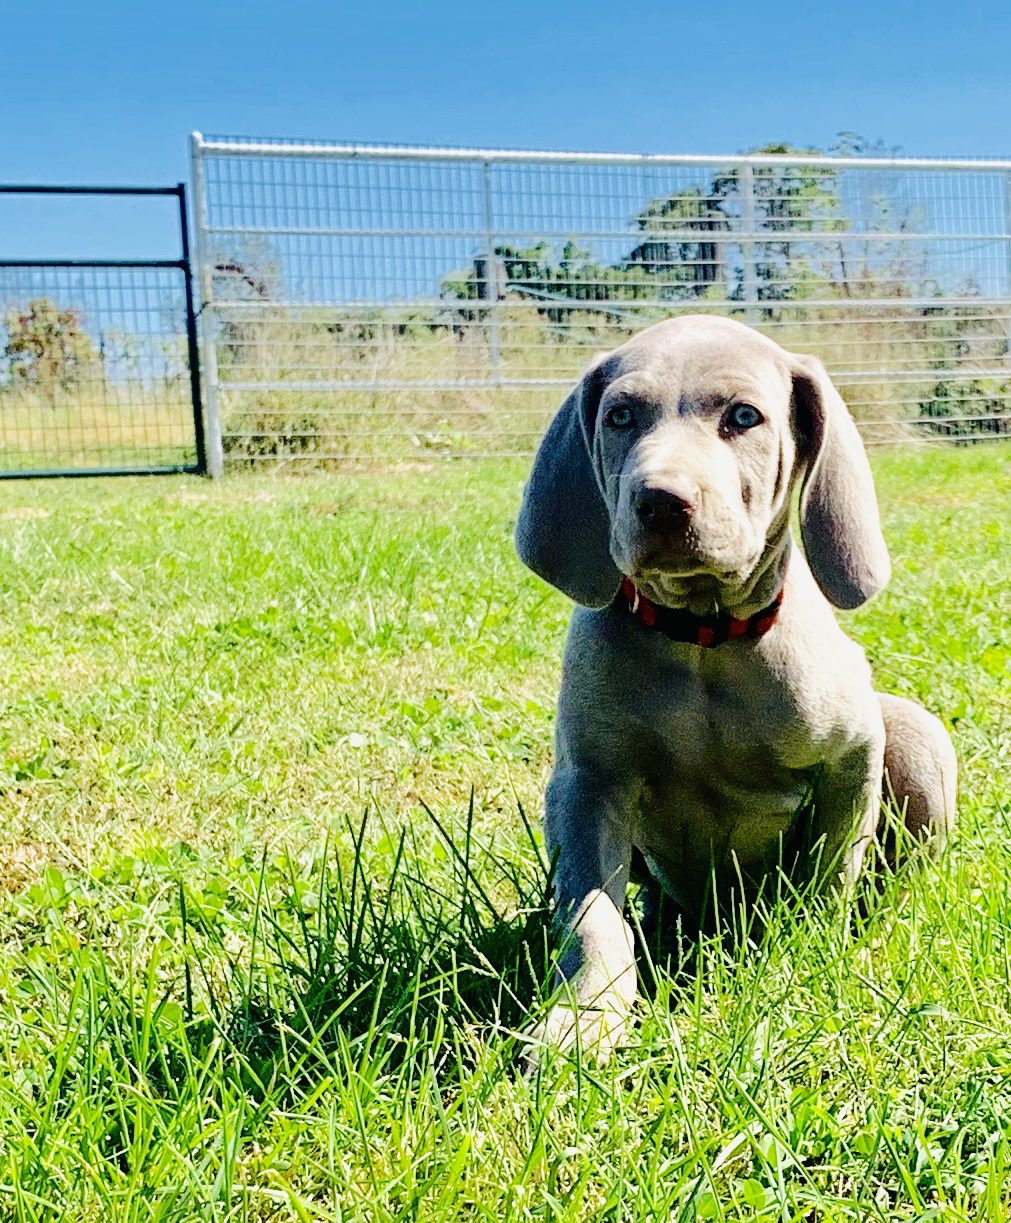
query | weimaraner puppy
(712,713)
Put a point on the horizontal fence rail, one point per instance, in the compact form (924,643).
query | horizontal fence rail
(381,303)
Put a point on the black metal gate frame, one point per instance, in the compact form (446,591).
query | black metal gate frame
(192,351)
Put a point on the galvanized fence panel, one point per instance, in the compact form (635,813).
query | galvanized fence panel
(373,302)
(98,362)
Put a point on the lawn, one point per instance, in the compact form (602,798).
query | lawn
(272,753)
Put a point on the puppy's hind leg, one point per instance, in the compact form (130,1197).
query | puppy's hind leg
(919,779)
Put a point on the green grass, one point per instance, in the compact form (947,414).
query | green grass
(273,914)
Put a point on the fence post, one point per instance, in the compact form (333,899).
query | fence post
(207,324)
(1007,260)
(748,245)
(491,276)
(192,346)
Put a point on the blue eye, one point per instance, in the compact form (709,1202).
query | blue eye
(744,416)
(619,417)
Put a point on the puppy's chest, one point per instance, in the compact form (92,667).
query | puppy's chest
(700,724)
(725,768)
(715,755)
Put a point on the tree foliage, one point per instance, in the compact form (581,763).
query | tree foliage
(692,263)
(47,349)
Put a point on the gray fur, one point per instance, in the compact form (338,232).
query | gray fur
(838,509)
(705,759)
(572,552)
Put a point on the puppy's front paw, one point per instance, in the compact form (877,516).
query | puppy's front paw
(591,1032)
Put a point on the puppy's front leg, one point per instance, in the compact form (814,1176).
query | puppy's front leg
(587,828)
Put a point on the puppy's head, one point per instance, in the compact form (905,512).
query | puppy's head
(673,462)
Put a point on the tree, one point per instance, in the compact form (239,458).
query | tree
(695,263)
(47,349)
(786,202)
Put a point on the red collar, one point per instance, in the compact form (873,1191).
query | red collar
(679,624)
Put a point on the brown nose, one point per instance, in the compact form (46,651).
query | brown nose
(662,509)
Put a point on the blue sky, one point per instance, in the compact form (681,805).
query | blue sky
(107,92)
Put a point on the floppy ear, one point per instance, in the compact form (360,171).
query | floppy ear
(564,530)
(838,509)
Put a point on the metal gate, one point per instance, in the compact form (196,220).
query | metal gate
(98,360)
(377,303)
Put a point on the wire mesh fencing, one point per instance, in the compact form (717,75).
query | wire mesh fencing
(98,361)
(93,371)
(376,303)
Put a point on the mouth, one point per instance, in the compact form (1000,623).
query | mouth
(677,557)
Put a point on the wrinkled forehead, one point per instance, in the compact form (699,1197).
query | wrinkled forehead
(677,360)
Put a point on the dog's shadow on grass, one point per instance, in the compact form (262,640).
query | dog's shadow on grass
(451,942)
